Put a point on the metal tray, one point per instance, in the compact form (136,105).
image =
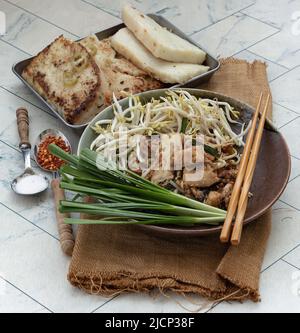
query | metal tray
(194,82)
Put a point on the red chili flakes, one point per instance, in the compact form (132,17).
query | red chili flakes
(45,158)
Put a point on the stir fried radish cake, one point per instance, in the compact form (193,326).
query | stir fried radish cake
(161,42)
(79,78)
(66,75)
(118,75)
(126,44)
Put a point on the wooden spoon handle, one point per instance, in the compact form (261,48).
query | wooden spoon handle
(65,230)
(23,127)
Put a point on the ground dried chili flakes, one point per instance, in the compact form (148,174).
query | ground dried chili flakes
(45,159)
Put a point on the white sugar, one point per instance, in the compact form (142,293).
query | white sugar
(31,184)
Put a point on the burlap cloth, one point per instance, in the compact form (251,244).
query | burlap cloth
(112,259)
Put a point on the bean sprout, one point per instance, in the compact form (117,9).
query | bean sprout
(209,117)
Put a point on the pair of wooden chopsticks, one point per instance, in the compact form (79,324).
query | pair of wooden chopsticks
(240,192)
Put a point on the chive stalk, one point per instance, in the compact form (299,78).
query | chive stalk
(123,197)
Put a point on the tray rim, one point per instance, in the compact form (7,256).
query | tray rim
(167,24)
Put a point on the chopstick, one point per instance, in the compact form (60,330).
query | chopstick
(226,230)
(246,171)
(243,201)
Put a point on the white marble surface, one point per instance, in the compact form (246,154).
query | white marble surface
(291,131)
(276,13)
(283,48)
(286,89)
(77,17)
(32,261)
(233,34)
(282,15)
(14,300)
(279,292)
(283,116)
(9,55)
(168,303)
(273,69)
(293,257)
(28,32)
(39,120)
(32,267)
(284,235)
(204,13)
(114,6)
(289,195)
(295,172)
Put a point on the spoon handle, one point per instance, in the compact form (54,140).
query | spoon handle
(65,230)
(23,127)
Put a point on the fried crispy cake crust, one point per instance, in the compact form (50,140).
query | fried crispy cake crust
(118,75)
(66,75)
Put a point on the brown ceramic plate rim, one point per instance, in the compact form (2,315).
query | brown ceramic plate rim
(169,230)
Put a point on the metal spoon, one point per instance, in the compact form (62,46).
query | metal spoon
(29,182)
(65,230)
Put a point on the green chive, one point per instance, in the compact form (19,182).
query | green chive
(123,197)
